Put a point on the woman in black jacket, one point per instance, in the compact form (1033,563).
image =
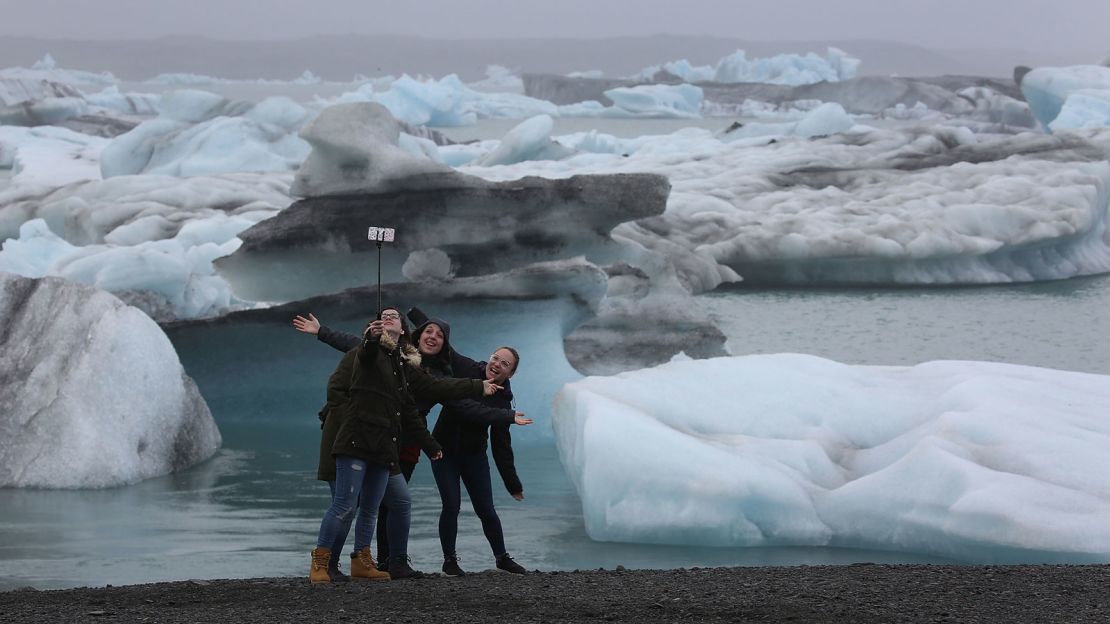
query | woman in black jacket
(462,431)
(383,380)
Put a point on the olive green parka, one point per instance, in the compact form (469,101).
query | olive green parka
(382,383)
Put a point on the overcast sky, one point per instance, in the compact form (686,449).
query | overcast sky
(1060,25)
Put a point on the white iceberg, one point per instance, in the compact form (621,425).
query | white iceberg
(681,101)
(200,133)
(934,205)
(1047,88)
(784,69)
(530,140)
(93,393)
(974,461)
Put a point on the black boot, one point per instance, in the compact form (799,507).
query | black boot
(399,568)
(451,566)
(506,563)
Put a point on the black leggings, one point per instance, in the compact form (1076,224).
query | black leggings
(473,470)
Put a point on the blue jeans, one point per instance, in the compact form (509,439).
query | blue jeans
(473,470)
(398,500)
(388,530)
(353,478)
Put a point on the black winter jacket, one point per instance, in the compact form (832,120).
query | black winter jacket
(463,425)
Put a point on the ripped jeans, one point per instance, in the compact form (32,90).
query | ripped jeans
(353,477)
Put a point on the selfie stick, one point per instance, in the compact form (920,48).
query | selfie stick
(380,235)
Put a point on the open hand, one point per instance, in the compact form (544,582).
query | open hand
(307,325)
(521,420)
(488,387)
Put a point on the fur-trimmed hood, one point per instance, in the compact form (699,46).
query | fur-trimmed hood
(409,353)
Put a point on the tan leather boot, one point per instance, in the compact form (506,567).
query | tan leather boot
(318,570)
(363,567)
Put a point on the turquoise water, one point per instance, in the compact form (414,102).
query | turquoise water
(255,508)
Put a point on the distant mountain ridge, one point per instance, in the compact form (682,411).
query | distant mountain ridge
(341,57)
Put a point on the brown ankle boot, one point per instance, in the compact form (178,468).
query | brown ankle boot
(318,571)
(363,567)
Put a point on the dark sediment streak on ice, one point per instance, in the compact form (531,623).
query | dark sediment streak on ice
(319,245)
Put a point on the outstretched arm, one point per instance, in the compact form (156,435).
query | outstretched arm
(501,443)
(338,339)
(333,338)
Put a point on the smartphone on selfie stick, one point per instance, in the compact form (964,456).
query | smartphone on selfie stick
(380,235)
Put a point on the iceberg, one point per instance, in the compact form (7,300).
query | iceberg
(826,119)
(975,461)
(782,69)
(150,240)
(1047,88)
(93,393)
(1087,108)
(50,156)
(530,140)
(356,148)
(200,133)
(937,205)
(681,101)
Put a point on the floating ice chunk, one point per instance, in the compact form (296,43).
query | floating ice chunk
(824,120)
(178,270)
(50,156)
(440,104)
(447,102)
(499,79)
(1047,88)
(784,69)
(131,103)
(93,394)
(995,107)
(970,460)
(683,101)
(530,140)
(91,212)
(427,265)
(355,149)
(1088,108)
(200,133)
(419,146)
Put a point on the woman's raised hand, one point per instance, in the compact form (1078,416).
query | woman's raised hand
(307,325)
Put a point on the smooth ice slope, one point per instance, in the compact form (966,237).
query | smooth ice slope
(976,461)
(91,391)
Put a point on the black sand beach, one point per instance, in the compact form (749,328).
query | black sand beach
(855,593)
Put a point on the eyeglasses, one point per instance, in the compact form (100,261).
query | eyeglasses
(391,316)
(493,359)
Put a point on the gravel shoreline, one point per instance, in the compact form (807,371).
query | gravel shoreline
(853,593)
